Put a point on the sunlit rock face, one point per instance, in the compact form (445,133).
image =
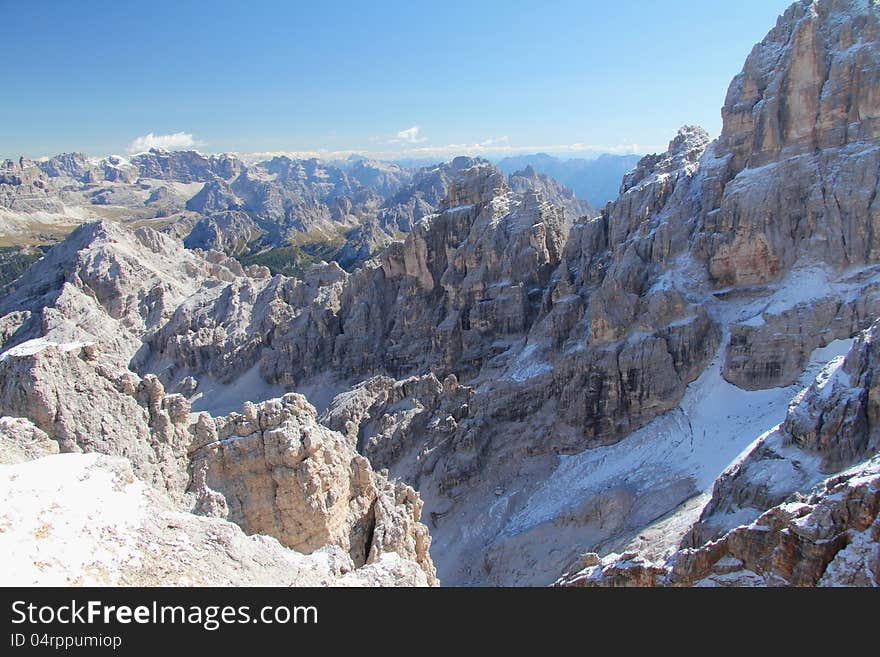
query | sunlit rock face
(795,171)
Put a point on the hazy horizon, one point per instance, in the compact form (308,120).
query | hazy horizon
(403,160)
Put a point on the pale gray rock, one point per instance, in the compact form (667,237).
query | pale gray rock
(71,165)
(215,196)
(775,518)
(549,337)
(285,475)
(85,404)
(595,180)
(385,419)
(186,166)
(827,539)
(107,284)
(794,174)
(24,189)
(772,349)
(86,520)
(530,180)
(386,178)
(118,169)
(830,425)
(230,232)
(21,440)
(838,416)
(272,469)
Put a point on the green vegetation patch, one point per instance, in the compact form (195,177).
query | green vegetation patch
(291,260)
(14,261)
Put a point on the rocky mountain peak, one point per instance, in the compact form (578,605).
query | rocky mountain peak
(529,181)
(684,151)
(186,166)
(803,110)
(808,85)
(71,165)
(689,143)
(463,162)
(108,284)
(19,172)
(776,517)
(474,185)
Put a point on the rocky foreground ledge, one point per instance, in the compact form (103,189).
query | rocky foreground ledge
(141,477)
(86,520)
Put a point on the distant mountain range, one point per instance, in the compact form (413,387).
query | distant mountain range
(282,213)
(596,181)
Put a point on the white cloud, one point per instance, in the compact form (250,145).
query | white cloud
(502,146)
(497,141)
(173,142)
(409,136)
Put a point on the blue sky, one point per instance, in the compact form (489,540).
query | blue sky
(389,78)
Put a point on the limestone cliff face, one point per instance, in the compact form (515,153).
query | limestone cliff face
(550,190)
(23,441)
(463,277)
(795,172)
(87,404)
(460,280)
(555,345)
(809,85)
(284,475)
(838,417)
(387,418)
(835,419)
(793,179)
(632,338)
(761,242)
(186,166)
(772,349)
(24,188)
(830,425)
(829,538)
(253,320)
(465,289)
